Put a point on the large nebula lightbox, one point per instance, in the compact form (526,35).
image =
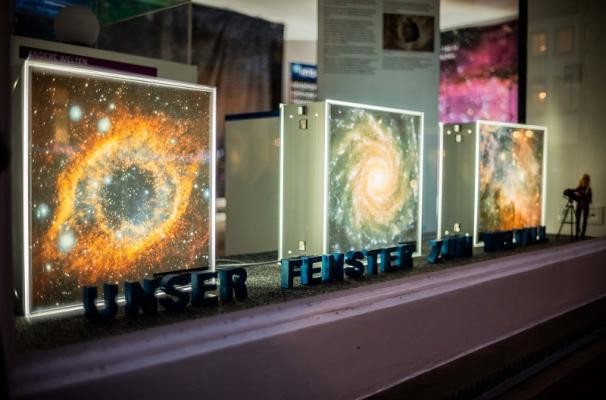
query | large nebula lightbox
(351,178)
(491,177)
(118,180)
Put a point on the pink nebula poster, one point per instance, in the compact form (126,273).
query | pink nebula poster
(479,74)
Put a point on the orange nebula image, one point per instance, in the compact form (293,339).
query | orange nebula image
(510,178)
(120,182)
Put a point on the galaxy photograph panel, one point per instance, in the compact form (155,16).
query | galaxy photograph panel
(119,181)
(510,177)
(374,178)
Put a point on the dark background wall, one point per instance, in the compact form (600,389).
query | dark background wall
(240,55)
(6,308)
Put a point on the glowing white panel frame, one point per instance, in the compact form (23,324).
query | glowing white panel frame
(281,185)
(327,104)
(476,205)
(25,174)
(440,177)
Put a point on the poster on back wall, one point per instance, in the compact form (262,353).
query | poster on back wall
(479,74)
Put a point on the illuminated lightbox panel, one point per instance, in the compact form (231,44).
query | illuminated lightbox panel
(492,177)
(117,180)
(351,178)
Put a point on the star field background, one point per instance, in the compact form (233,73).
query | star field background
(120,183)
(373,178)
(510,173)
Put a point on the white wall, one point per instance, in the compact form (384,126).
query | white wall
(573,110)
(252,165)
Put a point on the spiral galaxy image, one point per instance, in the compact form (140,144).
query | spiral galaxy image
(374,178)
(119,181)
(510,177)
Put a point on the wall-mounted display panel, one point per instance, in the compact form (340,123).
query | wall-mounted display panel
(509,169)
(351,177)
(117,180)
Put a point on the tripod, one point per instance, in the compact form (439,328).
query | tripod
(568,209)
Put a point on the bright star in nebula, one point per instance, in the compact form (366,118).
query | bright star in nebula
(103,125)
(75,113)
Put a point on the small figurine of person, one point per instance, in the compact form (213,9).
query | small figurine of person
(583,198)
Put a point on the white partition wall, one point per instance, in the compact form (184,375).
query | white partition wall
(456,179)
(252,175)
